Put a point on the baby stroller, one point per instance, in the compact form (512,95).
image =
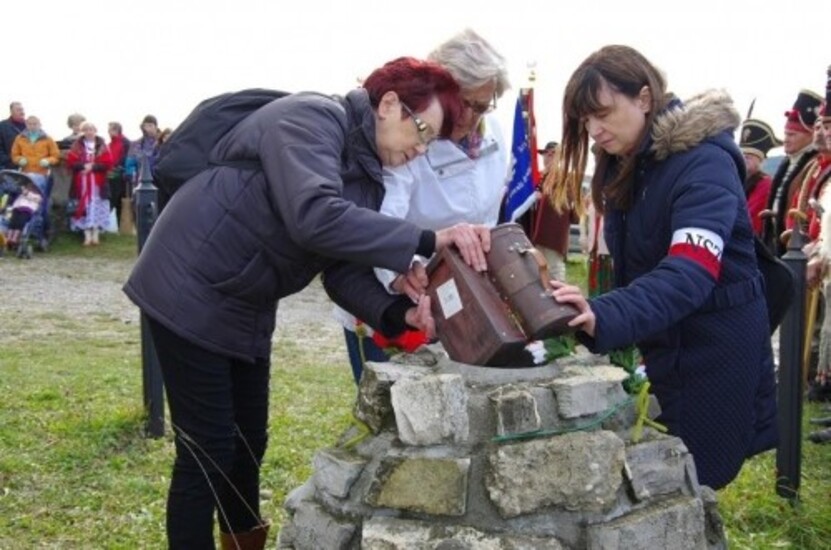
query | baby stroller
(33,234)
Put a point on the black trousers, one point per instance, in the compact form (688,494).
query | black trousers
(219,414)
(117,188)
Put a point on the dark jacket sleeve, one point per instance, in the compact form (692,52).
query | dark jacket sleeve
(301,150)
(679,285)
(6,139)
(355,288)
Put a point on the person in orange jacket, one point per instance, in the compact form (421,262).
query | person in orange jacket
(33,151)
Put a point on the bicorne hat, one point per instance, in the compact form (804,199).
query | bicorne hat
(550,146)
(757,138)
(804,112)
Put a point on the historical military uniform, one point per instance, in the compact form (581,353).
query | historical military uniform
(757,139)
(792,172)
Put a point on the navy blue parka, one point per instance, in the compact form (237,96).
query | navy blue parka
(689,292)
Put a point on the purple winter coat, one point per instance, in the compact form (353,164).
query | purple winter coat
(233,241)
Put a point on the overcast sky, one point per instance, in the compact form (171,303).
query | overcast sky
(122,60)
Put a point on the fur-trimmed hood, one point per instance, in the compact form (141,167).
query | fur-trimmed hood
(683,126)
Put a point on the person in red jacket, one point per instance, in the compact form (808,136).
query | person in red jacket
(89,159)
(756,140)
(116,179)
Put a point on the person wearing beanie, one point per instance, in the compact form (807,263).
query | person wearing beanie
(755,140)
(9,130)
(146,147)
(33,151)
(798,145)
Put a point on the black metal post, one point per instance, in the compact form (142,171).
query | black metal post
(146,199)
(789,396)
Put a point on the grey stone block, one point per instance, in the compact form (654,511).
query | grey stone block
(714,525)
(312,528)
(575,471)
(657,468)
(335,470)
(373,407)
(422,484)
(431,410)
(399,534)
(516,411)
(304,493)
(589,390)
(676,523)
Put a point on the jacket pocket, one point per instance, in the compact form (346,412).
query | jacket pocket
(255,284)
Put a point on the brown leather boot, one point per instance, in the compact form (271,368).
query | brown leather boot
(247,540)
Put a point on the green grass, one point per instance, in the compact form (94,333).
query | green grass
(113,246)
(755,517)
(577,271)
(76,470)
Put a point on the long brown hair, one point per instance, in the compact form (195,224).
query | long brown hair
(562,195)
(624,70)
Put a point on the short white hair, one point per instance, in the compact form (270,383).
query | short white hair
(472,61)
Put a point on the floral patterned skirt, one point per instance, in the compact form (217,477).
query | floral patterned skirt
(97,214)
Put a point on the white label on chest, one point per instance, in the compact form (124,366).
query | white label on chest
(449,299)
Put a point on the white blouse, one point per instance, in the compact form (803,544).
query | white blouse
(445,186)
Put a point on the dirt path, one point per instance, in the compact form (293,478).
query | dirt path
(49,287)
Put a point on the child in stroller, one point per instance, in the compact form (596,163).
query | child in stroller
(23,210)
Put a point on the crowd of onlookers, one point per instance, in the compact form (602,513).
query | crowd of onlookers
(91,177)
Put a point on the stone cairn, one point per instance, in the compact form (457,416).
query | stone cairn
(449,456)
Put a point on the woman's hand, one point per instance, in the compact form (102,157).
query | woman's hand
(420,317)
(473,241)
(570,294)
(413,283)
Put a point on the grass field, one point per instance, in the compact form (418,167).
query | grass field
(76,470)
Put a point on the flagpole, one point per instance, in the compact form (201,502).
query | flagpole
(531,123)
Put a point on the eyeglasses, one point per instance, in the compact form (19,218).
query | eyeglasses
(424,134)
(480,108)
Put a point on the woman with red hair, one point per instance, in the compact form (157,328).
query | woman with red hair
(238,237)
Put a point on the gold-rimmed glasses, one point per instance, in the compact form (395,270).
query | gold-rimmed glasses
(480,108)
(424,133)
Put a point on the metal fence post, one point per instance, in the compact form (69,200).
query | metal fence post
(146,210)
(789,388)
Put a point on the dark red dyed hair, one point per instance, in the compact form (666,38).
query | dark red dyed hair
(416,82)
